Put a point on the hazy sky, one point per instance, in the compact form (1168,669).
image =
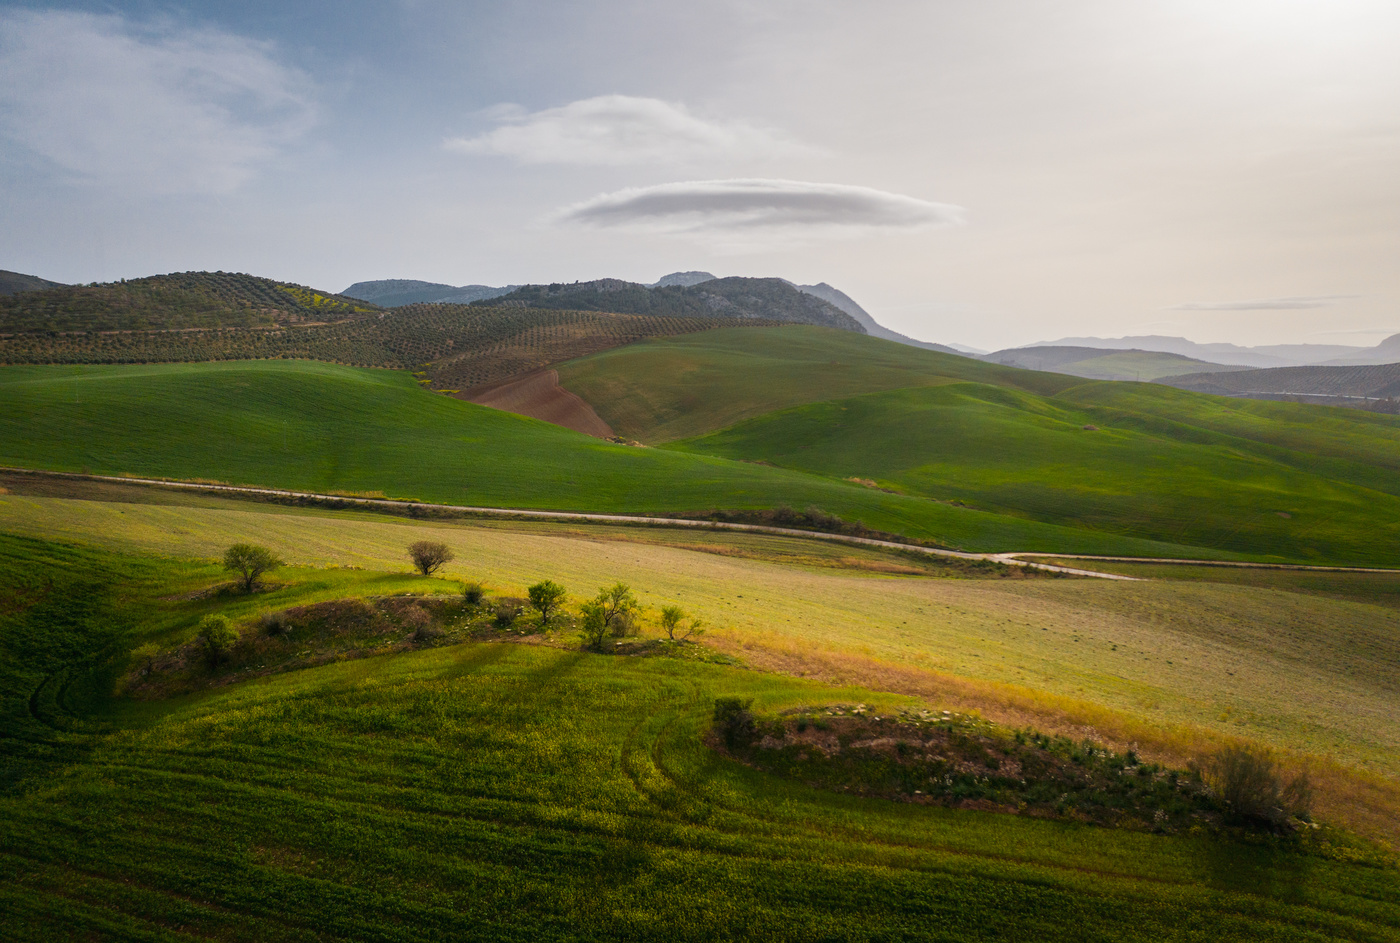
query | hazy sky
(979,171)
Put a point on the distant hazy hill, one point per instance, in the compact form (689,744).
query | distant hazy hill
(1371,386)
(1095,363)
(766,298)
(1269,355)
(12,283)
(172,302)
(397,292)
(844,301)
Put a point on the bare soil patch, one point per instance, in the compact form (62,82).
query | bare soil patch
(540,396)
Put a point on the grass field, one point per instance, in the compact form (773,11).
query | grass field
(322,427)
(672,388)
(1106,458)
(1171,666)
(506,792)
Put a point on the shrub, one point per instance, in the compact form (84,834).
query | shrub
(508,609)
(671,619)
(546,597)
(624,624)
(421,622)
(472,593)
(250,561)
(735,722)
(1248,781)
(429,555)
(275,623)
(217,638)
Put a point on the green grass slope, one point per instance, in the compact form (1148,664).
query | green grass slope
(514,793)
(673,388)
(1243,479)
(316,426)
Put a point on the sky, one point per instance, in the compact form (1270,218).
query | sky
(983,172)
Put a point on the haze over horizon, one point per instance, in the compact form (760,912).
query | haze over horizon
(992,174)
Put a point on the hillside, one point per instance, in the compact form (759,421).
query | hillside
(1374,387)
(175,302)
(480,790)
(769,299)
(1094,363)
(321,427)
(666,389)
(455,346)
(872,327)
(12,283)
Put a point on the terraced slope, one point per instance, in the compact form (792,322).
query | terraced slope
(174,302)
(518,793)
(1369,387)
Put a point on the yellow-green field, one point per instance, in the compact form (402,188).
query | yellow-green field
(1167,664)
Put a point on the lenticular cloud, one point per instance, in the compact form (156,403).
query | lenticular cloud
(756,205)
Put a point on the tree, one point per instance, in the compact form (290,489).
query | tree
(429,555)
(593,627)
(671,619)
(217,637)
(547,597)
(608,612)
(251,561)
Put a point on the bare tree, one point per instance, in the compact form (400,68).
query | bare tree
(429,555)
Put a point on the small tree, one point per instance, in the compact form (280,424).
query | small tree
(593,626)
(671,619)
(217,637)
(251,562)
(618,605)
(735,721)
(429,555)
(547,597)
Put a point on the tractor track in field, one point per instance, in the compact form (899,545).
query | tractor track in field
(1013,558)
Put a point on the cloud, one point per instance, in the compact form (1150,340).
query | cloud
(1265,304)
(150,109)
(744,208)
(621,129)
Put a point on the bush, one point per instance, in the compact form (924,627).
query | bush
(593,626)
(546,597)
(420,621)
(275,623)
(217,638)
(250,561)
(429,555)
(735,722)
(472,593)
(1248,782)
(671,619)
(508,609)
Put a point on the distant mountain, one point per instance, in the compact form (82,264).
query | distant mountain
(12,283)
(1096,363)
(682,280)
(771,299)
(1370,386)
(1270,355)
(844,301)
(397,292)
(175,302)
(1387,351)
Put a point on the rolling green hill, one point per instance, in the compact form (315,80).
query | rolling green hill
(322,427)
(1094,363)
(511,792)
(671,388)
(1132,472)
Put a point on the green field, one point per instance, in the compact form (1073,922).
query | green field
(1171,666)
(509,792)
(671,388)
(323,427)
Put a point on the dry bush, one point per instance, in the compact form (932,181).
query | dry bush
(1248,781)
(508,609)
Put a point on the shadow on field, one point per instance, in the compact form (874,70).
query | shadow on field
(1255,868)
